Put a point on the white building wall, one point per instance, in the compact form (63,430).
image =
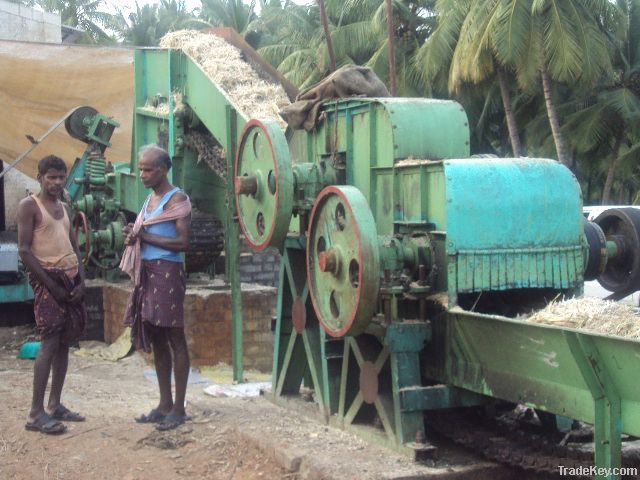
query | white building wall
(24,24)
(16,186)
(18,22)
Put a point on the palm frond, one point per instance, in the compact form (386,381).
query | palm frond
(624,103)
(434,56)
(587,128)
(513,32)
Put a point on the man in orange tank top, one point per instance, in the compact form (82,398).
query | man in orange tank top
(49,250)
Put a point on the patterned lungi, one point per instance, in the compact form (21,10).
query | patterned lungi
(158,301)
(53,317)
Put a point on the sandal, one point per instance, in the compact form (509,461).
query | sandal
(171,421)
(66,415)
(154,416)
(45,424)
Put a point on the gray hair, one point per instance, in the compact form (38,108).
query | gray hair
(159,155)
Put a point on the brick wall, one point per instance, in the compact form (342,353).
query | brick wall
(260,267)
(207,310)
(255,267)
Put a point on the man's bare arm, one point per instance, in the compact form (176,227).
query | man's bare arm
(78,292)
(180,242)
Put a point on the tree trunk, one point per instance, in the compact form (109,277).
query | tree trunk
(392,59)
(512,126)
(327,35)
(558,139)
(606,190)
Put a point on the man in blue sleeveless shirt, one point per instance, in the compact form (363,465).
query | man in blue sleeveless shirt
(157,301)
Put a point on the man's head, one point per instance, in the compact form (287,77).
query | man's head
(153,163)
(52,175)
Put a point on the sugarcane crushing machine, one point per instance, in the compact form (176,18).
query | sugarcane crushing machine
(406,263)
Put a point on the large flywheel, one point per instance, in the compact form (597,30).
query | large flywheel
(263,184)
(621,227)
(77,124)
(343,261)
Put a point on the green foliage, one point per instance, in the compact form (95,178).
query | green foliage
(449,49)
(87,15)
(291,39)
(146,25)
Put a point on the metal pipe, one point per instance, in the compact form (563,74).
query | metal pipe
(246,185)
(37,142)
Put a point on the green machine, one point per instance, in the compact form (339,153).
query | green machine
(98,218)
(406,262)
(179,108)
(108,195)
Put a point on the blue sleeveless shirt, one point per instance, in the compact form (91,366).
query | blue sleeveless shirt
(164,229)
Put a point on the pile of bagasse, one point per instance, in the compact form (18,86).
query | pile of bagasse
(591,314)
(223,64)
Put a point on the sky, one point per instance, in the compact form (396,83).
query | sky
(128,5)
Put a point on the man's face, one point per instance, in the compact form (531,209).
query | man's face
(53,181)
(151,174)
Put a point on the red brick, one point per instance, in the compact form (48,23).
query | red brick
(208,324)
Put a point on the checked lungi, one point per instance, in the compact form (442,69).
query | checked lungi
(53,317)
(158,301)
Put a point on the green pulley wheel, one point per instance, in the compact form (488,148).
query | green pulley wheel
(77,124)
(343,261)
(263,182)
(83,236)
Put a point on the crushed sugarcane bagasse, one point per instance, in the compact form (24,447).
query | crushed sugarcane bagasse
(223,63)
(591,314)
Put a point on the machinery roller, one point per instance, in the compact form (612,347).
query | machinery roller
(621,228)
(406,264)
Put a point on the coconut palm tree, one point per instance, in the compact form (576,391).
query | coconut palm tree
(461,47)
(605,123)
(149,23)
(289,36)
(541,41)
(327,34)
(228,13)
(549,41)
(87,15)
(140,28)
(292,38)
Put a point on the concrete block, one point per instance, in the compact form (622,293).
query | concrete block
(289,458)
(264,277)
(9,8)
(253,268)
(25,12)
(51,18)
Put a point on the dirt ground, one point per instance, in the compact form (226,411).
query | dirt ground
(228,438)
(110,444)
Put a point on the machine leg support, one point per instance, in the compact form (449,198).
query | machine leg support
(608,421)
(405,341)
